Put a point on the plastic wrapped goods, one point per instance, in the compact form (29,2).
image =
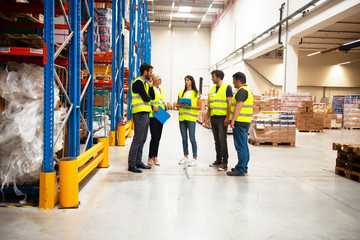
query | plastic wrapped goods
(21,124)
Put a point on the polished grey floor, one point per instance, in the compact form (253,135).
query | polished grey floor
(289,193)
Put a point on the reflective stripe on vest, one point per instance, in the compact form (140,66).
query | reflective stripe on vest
(246,111)
(137,104)
(218,103)
(156,101)
(189,114)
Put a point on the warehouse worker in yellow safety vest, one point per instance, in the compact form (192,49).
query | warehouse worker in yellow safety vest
(218,113)
(155,125)
(241,114)
(141,95)
(187,119)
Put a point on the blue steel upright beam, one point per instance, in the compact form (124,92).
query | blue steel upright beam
(132,64)
(48,161)
(138,37)
(147,37)
(74,78)
(122,62)
(114,69)
(90,90)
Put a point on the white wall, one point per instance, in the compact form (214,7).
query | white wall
(178,52)
(247,18)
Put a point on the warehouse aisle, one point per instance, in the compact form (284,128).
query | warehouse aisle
(289,193)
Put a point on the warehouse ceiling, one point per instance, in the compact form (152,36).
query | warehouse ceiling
(185,13)
(332,37)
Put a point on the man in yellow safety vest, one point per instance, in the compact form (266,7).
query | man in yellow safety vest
(220,97)
(241,114)
(141,95)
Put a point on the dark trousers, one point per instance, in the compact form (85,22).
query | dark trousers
(141,123)
(220,136)
(155,130)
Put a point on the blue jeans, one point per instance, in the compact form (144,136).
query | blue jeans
(240,134)
(184,126)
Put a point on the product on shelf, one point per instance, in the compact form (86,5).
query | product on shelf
(273,127)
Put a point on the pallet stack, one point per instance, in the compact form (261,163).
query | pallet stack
(348,160)
(333,121)
(273,128)
(307,120)
(352,112)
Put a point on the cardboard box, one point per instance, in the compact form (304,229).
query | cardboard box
(99,100)
(257,97)
(319,121)
(301,109)
(307,103)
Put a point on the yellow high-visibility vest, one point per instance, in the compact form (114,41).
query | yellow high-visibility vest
(247,108)
(137,104)
(218,100)
(189,114)
(158,101)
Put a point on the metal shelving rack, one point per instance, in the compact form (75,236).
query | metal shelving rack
(48,180)
(117,69)
(139,41)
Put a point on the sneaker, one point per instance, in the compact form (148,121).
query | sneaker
(233,169)
(192,163)
(235,174)
(215,164)
(183,161)
(223,167)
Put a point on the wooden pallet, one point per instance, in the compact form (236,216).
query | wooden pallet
(352,128)
(347,148)
(333,128)
(310,131)
(352,175)
(274,144)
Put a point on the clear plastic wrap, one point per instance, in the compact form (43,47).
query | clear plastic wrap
(21,124)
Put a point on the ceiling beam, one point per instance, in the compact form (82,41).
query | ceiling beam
(198,4)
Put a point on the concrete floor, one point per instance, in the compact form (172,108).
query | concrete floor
(289,193)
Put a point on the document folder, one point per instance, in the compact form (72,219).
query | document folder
(162,116)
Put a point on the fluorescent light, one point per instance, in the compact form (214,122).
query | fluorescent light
(351,42)
(199,25)
(170,25)
(173,5)
(171,16)
(184,9)
(344,63)
(210,6)
(151,21)
(312,54)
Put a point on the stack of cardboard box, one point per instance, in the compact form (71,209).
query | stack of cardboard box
(307,120)
(272,93)
(273,127)
(352,111)
(332,121)
(273,104)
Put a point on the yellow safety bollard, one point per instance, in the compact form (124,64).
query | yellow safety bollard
(130,128)
(69,184)
(105,162)
(121,135)
(48,193)
(112,139)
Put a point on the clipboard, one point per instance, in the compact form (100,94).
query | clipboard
(185,100)
(162,116)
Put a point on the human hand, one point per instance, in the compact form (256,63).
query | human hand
(226,122)
(150,82)
(156,109)
(232,124)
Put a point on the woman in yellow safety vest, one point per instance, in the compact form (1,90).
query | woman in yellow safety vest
(189,106)
(155,125)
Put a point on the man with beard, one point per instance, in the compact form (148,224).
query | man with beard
(141,95)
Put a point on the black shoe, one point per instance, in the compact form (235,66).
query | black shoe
(222,167)
(215,164)
(235,173)
(143,166)
(134,169)
(233,169)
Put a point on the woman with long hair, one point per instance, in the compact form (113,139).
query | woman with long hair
(188,114)
(155,125)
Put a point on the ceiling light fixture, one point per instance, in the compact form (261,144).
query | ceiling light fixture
(199,25)
(312,54)
(173,5)
(344,63)
(185,9)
